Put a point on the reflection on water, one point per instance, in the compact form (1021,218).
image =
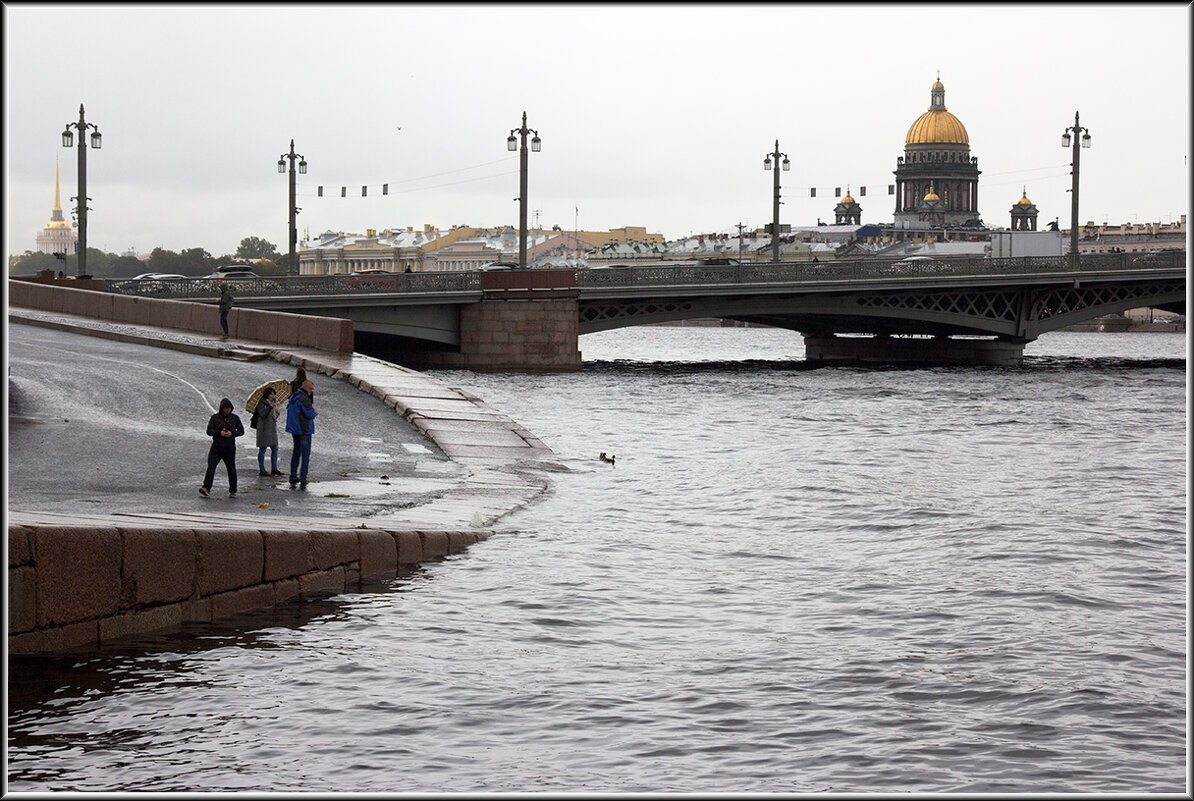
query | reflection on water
(844,579)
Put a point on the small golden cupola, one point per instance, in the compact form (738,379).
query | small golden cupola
(848,212)
(1024,213)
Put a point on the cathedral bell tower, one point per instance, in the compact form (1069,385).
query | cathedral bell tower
(848,212)
(1024,214)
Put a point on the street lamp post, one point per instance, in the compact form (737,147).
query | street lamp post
(1083,134)
(81,209)
(292,263)
(767,165)
(512,143)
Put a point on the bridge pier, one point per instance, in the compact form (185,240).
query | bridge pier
(830,349)
(526,321)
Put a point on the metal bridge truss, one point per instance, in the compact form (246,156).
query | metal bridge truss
(1022,312)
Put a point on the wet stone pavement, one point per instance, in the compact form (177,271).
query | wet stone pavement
(107,425)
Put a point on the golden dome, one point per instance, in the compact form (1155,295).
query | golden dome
(1024,201)
(847,198)
(931,195)
(52,224)
(937,125)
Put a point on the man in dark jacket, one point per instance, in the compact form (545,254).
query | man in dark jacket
(300,424)
(225,305)
(223,428)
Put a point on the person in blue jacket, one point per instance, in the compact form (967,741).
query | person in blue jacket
(300,424)
(223,428)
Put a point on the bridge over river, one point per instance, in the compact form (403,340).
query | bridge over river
(963,311)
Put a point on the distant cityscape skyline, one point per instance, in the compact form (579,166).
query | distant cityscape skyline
(649,115)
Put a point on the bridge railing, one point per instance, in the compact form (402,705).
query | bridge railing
(861,269)
(661,274)
(285,286)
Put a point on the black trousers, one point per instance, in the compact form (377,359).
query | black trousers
(214,457)
(224,321)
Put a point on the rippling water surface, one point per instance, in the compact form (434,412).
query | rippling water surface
(791,580)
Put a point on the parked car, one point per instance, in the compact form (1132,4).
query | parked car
(498,265)
(371,272)
(148,276)
(719,262)
(159,282)
(916,264)
(238,275)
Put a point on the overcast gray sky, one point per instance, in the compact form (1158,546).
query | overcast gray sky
(656,116)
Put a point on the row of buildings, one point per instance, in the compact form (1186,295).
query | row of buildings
(936,202)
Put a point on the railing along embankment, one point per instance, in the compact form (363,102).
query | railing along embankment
(277,328)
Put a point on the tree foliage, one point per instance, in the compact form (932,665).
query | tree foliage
(254,247)
(194,261)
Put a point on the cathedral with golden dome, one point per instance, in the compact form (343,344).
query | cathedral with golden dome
(937,178)
(57,236)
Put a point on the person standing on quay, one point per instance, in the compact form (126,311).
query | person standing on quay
(266,416)
(225,305)
(223,428)
(300,424)
(300,377)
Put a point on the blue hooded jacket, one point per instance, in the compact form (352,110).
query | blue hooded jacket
(300,413)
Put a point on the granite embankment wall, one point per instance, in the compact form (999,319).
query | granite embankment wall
(81,585)
(279,328)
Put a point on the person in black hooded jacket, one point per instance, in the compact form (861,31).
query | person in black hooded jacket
(223,428)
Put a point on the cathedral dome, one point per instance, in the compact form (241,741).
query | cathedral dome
(937,125)
(1024,201)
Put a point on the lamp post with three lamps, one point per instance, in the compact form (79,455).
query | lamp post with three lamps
(68,140)
(1083,133)
(512,143)
(767,165)
(292,263)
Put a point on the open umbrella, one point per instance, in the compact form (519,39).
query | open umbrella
(281,393)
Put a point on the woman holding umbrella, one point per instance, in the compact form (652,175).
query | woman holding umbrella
(265,417)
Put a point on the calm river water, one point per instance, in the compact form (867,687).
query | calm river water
(791,580)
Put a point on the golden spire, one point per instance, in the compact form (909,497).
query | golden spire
(57,201)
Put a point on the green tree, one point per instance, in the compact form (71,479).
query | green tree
(269,267)
(254,247)
(99,263)
(31,262)
(127,267)
(163,261)
(195,261)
